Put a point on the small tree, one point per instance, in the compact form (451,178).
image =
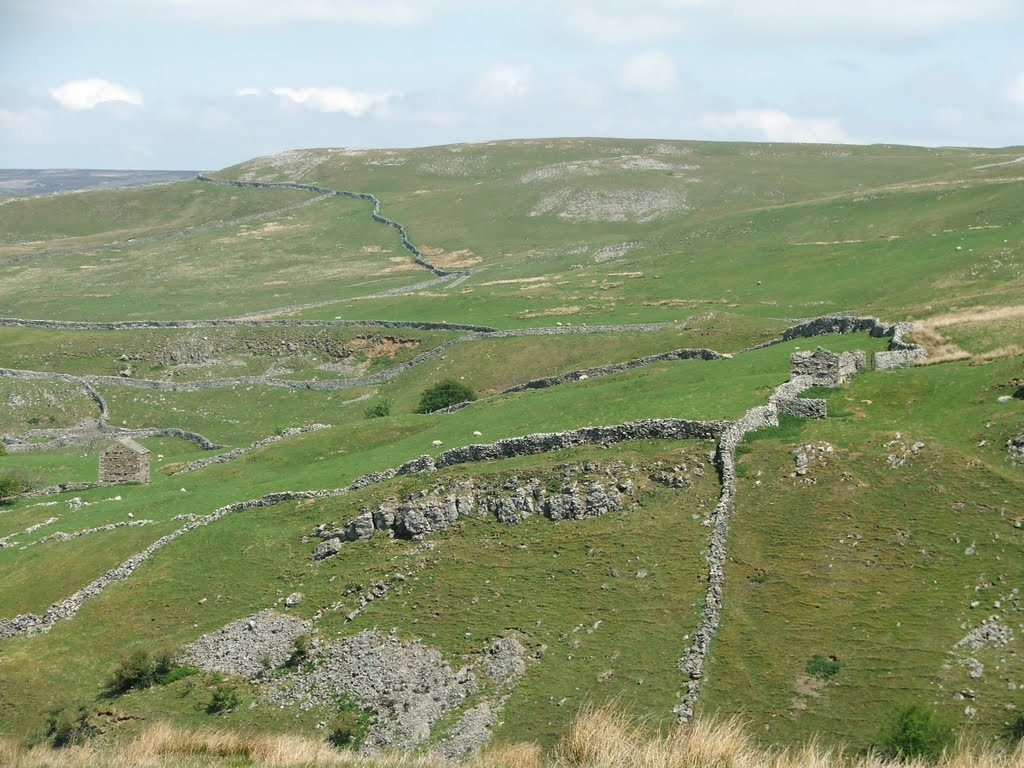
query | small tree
(139,670)
(70,726)
(379,409)
(444,394)
(225,698)
(914,731)
(11,485)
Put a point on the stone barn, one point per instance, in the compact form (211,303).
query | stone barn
(124,462)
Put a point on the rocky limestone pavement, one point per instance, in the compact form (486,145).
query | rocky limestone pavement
(583,490)
(246,647)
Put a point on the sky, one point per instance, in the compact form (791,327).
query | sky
(203,84)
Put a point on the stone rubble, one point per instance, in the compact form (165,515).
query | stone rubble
(989,632)
(246,647)
(583,490)
(408,685)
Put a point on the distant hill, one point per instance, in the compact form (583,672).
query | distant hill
(21,182)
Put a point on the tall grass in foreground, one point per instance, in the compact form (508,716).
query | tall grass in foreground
(597,739)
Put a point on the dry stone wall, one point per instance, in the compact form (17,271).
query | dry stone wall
(375,213)
(605,370)
(237,452)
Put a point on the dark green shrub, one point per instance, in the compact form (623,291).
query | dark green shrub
(443,394)
(822,666)
(300,651)
(379,409)
(1015,728)
(348,727)
(139,670)
(11,484)
(175,674)
(225,698)
(70,726)
(916,731)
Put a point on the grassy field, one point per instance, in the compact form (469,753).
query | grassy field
(899,535)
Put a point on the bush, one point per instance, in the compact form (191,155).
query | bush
(140,670)
(823,667)
(916,731)
(348,727)
(70,727)
(225,697)
(11,484)
(379,409)
(443,394)
(1015,728)
(300,651)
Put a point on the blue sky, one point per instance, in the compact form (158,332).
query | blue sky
(202,84)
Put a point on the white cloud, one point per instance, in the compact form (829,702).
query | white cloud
(612,29)
(779,22)
(773,125)
(389,13)
(650,72)
(87,94)
(248,92)
(1015,90)
(503,84)
(334,99)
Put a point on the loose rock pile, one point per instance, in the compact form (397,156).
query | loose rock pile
(1015,447)
(248,646)
(901,451)
(809,455)
(408,685)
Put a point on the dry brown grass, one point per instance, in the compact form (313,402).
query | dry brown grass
(1012,350)
(598,738)
(975,315)
(942,350)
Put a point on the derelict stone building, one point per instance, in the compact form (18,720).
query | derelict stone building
(124,461)
(825,367)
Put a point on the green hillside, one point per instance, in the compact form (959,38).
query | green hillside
(655,289)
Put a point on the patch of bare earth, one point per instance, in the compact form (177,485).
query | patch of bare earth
(513,281)
(258,233)
(380,346)
(439,257)
(806,687)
